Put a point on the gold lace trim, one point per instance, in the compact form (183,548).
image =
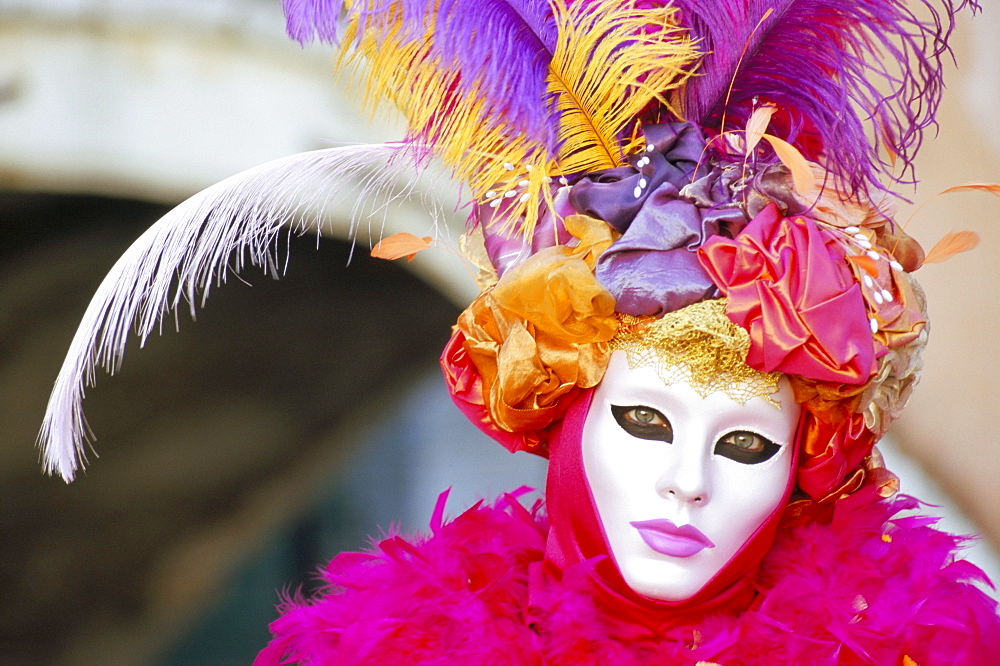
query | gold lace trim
(698,345)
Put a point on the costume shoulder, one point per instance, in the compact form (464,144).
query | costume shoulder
(877,585)
(456,596)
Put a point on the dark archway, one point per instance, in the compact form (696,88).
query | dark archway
(209,439)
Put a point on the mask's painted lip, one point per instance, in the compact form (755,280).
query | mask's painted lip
(666,538)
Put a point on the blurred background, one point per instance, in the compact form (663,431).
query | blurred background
(295,418)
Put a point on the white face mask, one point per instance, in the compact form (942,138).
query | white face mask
(682,482)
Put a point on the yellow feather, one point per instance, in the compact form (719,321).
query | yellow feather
(599,103)
(605,70)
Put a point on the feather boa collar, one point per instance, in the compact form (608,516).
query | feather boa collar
(878,585)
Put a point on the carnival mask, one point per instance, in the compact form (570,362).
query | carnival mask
(682,482)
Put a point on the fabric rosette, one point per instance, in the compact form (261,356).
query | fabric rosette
(523,350)
(788,283)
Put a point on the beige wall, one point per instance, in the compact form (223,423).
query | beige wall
(951,424)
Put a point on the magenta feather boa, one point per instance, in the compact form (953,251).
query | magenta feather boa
(876,586)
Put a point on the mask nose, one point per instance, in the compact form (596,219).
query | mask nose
(687,475)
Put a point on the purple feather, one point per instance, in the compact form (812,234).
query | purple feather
(843,70)
(503,48)
(507,46)
(306,20)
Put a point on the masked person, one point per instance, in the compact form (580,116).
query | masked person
(695,303)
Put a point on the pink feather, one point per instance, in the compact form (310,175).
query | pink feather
(869,588)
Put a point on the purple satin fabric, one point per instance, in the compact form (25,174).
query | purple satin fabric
(653,268)
(610,195)
(507,249)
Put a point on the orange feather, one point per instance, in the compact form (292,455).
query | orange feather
(401,245)
(950,245)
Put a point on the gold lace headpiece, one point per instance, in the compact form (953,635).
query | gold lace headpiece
(699,345)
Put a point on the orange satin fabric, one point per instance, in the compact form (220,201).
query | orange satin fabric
(541,334)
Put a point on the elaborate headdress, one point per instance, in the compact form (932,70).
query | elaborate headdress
(754,181)
(624,160)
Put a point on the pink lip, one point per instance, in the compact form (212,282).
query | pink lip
(664,537)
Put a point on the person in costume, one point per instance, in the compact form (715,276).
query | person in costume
(695,303)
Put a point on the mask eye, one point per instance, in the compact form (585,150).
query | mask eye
(745,447)
(643,422)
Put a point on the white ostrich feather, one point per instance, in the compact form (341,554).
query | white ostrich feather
(199,243)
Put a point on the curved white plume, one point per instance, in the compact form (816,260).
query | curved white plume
(199,242)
